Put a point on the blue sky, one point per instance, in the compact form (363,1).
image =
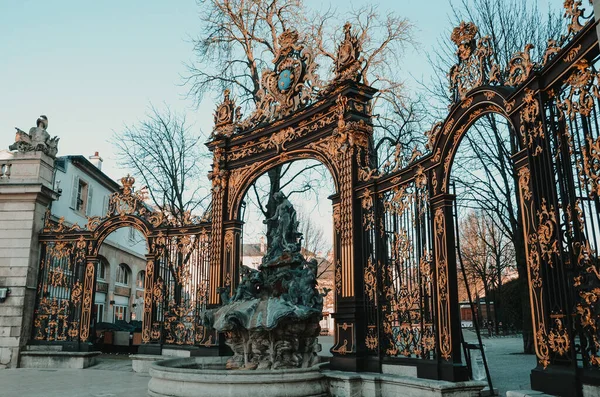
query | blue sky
(93,67)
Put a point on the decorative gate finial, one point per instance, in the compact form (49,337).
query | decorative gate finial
(226,116)
(475,65)
(348,62)
(127,183)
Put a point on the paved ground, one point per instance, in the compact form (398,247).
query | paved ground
(509,368)
(72,383)
(113,376)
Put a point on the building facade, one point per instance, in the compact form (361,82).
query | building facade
(84,192)
(72,188)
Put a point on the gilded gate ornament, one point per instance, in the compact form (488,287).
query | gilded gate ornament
(225,116)
(349,62)
(532,130)
(573,12)
(475,65)
(582,91)
(520,66)
(591,167)
(290,86)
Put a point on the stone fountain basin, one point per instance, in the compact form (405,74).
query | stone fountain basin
(207,377)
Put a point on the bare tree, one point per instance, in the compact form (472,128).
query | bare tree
(165,155)
(314,245)
(239,39)
(487,254)
(483,171)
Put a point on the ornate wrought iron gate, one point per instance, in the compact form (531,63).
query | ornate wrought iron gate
(395,260)
(176,281)
(395,256)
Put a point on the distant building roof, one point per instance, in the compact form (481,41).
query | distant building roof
(252,250)
(86,165)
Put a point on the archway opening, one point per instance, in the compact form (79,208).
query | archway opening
(308,185)
(119,298)
(492,270)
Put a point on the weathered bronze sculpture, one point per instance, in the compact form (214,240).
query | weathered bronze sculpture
(272,320)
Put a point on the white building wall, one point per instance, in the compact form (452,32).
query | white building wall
(97,206)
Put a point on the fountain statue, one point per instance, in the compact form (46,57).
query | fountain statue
(272,319)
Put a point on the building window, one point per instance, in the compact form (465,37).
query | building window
(99,308)
(82,191)
(100,271)
(141,279)
(133,235)
(122,274)
(120,313)
(81,196)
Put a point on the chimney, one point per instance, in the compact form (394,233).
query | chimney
(96,160)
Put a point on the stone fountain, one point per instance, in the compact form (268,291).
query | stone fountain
(271,323)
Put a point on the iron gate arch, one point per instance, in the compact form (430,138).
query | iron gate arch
(67,279)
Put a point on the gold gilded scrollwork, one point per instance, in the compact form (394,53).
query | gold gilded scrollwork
(582,89)
(574,13)
(591,166)
(546,233)
(86,306)
(532,130)
(368,214)
(338,277)
(371,340)
(443,302)
(370,280)
(533,255)
(475,65)
(559,340)
(520,66)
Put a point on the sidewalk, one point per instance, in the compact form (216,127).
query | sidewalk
(72,383)
(113,376)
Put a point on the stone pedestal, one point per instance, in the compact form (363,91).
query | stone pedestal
(26,182)
(57,359)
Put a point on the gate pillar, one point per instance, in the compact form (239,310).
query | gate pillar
(232,254)
(151,339)
(450,366)
(350,352)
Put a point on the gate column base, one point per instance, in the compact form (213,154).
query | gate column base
(453,372)
(150,348)
(355,363)
(555,381)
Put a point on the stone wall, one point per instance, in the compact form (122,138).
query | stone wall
(24,197)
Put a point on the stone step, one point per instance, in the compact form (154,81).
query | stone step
(58,359)
(43,348)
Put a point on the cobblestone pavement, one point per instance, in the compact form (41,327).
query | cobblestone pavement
(113,376)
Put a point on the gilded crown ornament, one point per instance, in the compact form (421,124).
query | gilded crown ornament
(475,65)
(464,34)
(127,183)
